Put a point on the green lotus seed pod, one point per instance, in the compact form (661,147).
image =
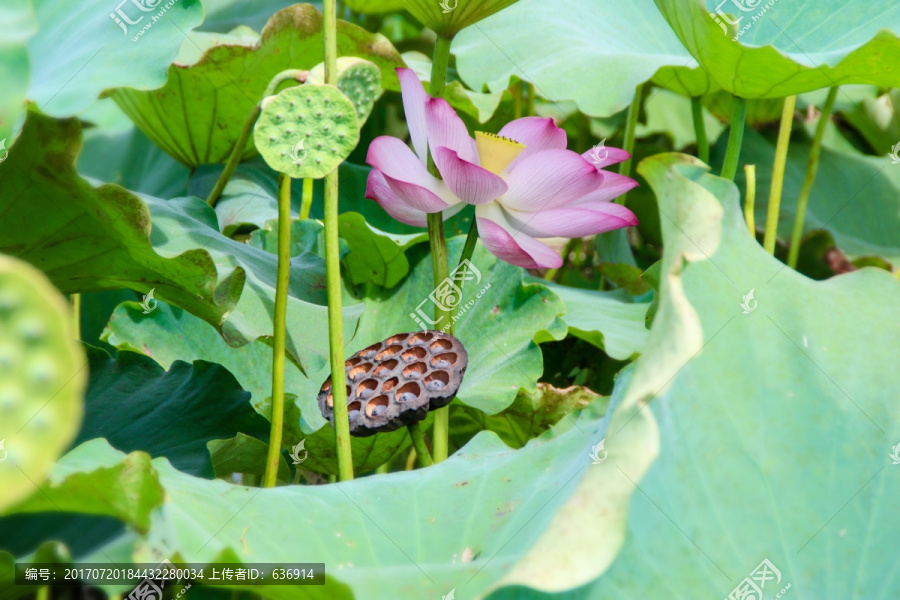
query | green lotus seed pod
(42,379)
(307,130)
(358,79)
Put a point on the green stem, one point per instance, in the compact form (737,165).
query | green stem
(440,62)
(76,315)
(418,440)
(781,150)
(306,202)
(333,274)
(630,127)
(280,323)
(235,157)
(517,100)
(43,593)
(735,138)
(383,468)
(700,129)
(531,94)
(812,167)
(750,200)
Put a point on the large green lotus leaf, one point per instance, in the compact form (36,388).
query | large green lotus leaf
(79,50)
(113,484)
(595,53)
(197,116)
(137,405)
(42,378)
(854,196)
(374,6)
(776,424)
(791,47)
(460,525)
(17,24)
(169,334)
(102,238)
(603,318)
(498,328)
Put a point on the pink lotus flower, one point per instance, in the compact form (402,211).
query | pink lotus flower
(523,182)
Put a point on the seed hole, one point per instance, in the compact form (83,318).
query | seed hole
(415,370)
(327,385)
(421,338)
(330,401)
(437,380)
(441,344)
(352,362)
(389,384)
(388,352)
(366,389)
(353,411)
(408,392)
(376,406)
(396,339)
(385,368)
(417,353)
(443,361)
(359,371)
(371,350)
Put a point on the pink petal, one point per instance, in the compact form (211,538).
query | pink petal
(416,196)
(613,186)
(550,179)
(377,189)
(605,157)
(536,133)
(407,176)
(446,129)
(471,183)
(574,222)
(510,245)
(414,99)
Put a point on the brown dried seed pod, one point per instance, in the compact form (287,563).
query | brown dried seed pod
(396,382)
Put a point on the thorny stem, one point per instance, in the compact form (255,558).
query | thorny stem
(418,440)
(235,157)
(812,167)
(306,202)
(700,129)
(280,322)
(440,62)
(750,200)
(630,127)
(781,150)
(735,138)
(333,274)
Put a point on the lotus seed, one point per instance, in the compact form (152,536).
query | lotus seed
(378,410)
(338,115)
(278,116)
(318,113)
(406,397)
(318,161)
(271,138)
(334,150)
(435,384)
(309,100)
(353,415)
(341,134)
(292,103)
(326,128)
(326,100)
(289,131)
(319,146)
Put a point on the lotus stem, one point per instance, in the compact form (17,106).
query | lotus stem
(812,168)
(306,202)
(280,323)
(238,151)
(700,129)
(418,440)
(333,274)
(735,139)
(634,111)
(531,95)
(781,150)
(517,92)
(750,200)
(439,64)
